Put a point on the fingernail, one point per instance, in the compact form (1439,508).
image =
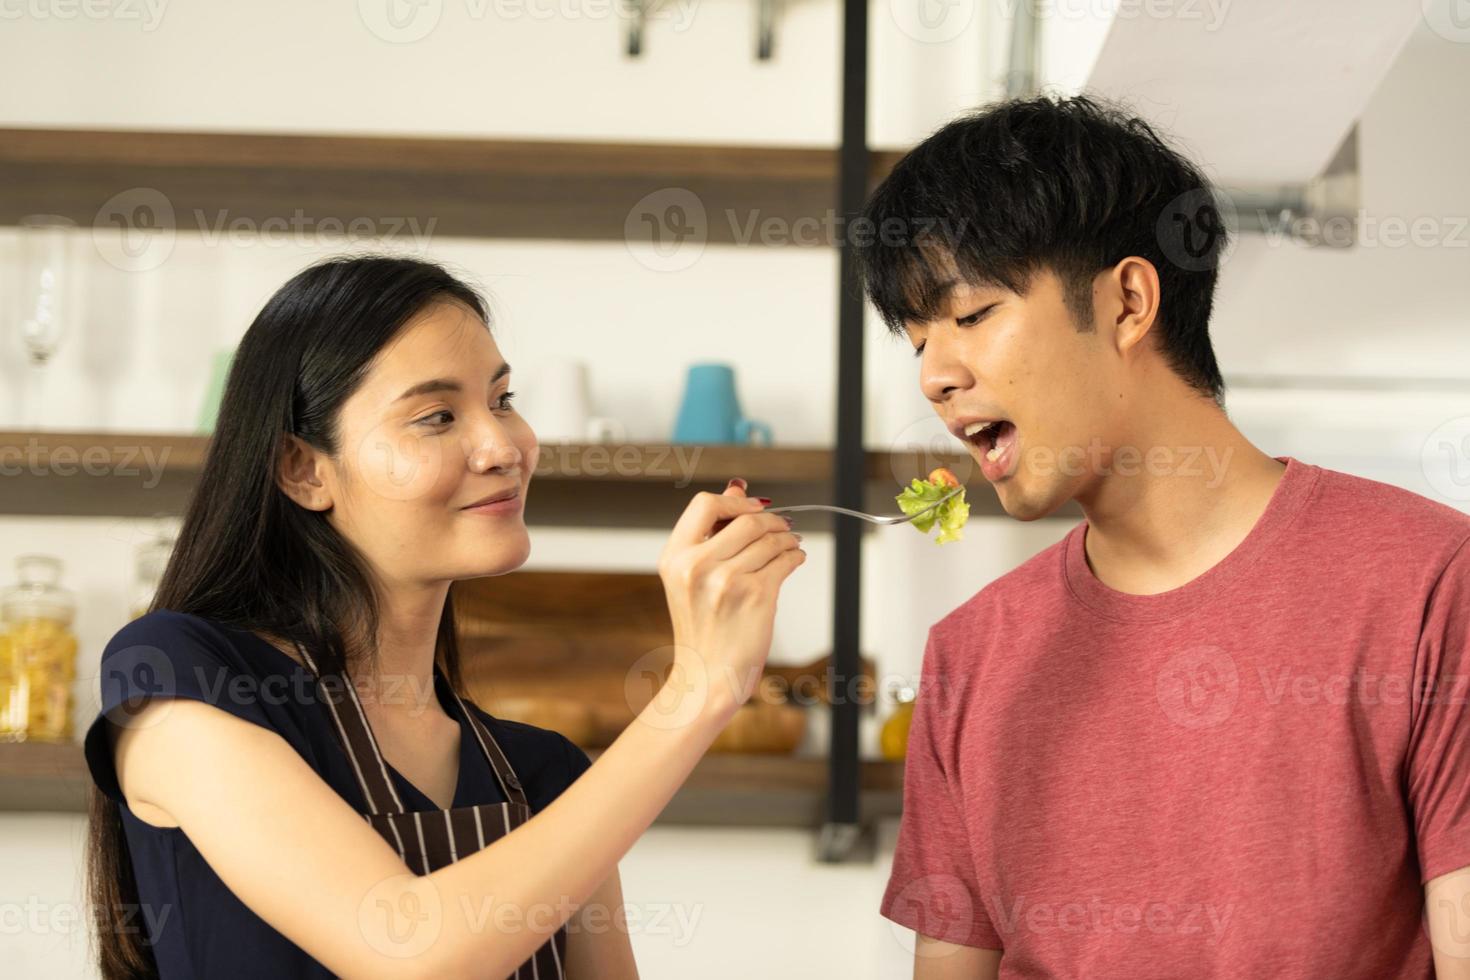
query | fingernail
(789,522)
(797,536)
(765,501)
(737,482)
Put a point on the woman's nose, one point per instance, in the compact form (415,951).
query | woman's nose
(492,448)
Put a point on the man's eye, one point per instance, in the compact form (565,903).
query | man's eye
(973,318)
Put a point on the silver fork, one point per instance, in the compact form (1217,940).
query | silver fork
(870,518)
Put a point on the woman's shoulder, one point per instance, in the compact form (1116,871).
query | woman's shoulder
(166,654)
(173,636)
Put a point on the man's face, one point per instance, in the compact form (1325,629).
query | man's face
(1051,393)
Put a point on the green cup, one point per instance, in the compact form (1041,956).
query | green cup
(219,370)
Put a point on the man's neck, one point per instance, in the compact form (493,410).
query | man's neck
(1153,527)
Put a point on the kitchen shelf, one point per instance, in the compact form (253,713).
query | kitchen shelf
(774,791)
(43,776)
(583,485)
(489,188)
(723,789)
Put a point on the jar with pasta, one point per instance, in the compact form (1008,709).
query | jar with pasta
(37,654)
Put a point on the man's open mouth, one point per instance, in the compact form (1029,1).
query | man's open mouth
(992,437)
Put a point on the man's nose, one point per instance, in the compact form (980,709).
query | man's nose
(941,372)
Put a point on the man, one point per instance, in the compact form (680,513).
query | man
(1220,730)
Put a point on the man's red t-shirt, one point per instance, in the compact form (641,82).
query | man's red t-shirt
(1249,776)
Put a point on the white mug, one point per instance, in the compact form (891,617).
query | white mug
(555,402)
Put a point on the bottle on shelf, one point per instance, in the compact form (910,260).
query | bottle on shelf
(37,654)
(893,740)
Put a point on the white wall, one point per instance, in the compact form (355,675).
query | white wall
(765,905)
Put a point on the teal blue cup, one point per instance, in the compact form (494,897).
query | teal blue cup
(710,411)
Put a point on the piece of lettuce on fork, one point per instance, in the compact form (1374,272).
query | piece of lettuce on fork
(950,516)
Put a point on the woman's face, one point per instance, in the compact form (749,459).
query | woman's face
(430,433)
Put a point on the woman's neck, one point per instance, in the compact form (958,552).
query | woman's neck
(408,632)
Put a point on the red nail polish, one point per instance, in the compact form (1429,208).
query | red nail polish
(765,501)
(738,482)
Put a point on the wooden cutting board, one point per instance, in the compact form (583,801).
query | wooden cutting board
(538,646)
(583,652)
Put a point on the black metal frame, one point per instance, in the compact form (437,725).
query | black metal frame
(843,828)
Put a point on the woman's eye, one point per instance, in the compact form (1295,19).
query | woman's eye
(919,351)
(505,401)
(430,418)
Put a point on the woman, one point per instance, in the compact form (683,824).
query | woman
(290,783)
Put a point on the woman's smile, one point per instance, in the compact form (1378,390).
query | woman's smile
(507,502)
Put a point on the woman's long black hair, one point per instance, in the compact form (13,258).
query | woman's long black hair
(248,556)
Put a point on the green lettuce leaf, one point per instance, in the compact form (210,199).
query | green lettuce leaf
(950,516)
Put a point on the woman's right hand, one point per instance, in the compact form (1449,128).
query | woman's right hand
(722,570)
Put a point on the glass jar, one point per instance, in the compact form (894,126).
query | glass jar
(893,740)
(38,654)
(150,560)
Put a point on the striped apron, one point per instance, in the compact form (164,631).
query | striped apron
(428,841)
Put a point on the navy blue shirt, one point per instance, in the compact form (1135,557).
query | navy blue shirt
(198,927)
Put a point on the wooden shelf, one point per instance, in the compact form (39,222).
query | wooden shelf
(724,790)
(448,187)
(43,776)
(577,485)
(774,791)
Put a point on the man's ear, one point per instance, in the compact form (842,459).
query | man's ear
(1135,285)
(299,475)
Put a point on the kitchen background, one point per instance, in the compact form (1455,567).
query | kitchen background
(1353,357)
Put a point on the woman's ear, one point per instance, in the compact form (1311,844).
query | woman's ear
(299,475)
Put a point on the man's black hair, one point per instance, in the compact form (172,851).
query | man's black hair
(1071,184)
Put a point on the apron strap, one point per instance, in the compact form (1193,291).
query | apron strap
(510,785)
(367,759)
(368,763)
